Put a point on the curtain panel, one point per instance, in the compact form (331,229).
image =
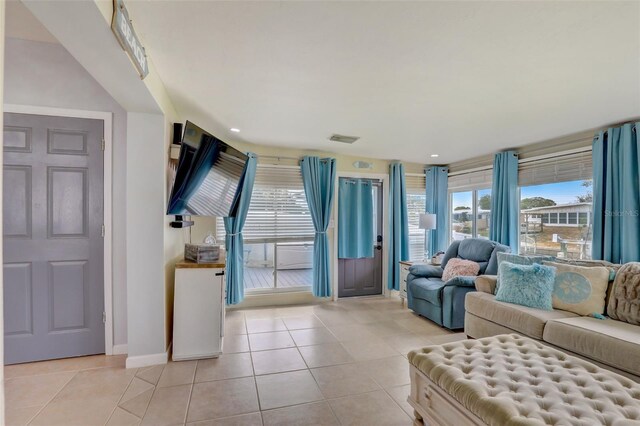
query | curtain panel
(233,238)
(503,226)
(616,194)
(318,178)
(398,224)
(355,221)
(438,204)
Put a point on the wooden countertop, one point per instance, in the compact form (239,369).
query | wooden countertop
(185,264)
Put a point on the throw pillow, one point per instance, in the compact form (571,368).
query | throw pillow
(460,268)
(580,289)
(518,260)
(526,285)
(624,303)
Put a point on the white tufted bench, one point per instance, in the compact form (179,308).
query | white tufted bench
(513,380)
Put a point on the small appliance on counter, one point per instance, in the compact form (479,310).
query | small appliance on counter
(202,253)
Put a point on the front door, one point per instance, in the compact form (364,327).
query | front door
(363,276)
(53,246)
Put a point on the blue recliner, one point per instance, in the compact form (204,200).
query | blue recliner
(443,302)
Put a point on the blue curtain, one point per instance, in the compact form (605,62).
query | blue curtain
(398,224)
(355,218)
(318,178)
(233,228)
(438,204)
(503,225)
(201,162)
(616,194)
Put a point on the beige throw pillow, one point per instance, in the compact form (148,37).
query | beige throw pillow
(578,289)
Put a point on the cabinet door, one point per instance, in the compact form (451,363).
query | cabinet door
(198,313)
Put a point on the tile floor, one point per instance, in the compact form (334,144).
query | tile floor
(328,364)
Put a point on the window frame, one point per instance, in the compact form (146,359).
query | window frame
(474,210)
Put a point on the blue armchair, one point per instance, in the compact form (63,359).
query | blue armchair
(443,302)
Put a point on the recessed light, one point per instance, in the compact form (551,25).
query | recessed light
(435,155)
(234,130)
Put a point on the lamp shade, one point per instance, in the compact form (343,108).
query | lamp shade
(427,221)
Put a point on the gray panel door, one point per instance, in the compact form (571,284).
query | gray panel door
(363,277)
(53,246)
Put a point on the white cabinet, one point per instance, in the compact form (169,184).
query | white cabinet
(404,271)
(198,311)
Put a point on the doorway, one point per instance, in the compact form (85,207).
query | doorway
(362,275)
(54,305)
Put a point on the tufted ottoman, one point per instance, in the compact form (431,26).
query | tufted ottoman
(513,380)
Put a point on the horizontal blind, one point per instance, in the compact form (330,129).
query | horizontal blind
(416,205)
(415,183)
(278,209)
(479,179)
(564,168)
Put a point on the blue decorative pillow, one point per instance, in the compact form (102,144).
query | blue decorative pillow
(527,285)
(518,259)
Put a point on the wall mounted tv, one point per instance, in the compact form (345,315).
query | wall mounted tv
(208,176)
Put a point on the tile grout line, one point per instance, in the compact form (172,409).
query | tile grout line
(122,396)
(52,398)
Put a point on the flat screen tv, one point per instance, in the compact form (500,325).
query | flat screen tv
(208,176)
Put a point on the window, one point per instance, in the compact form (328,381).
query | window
(278,233)
(470,214)
(565,228)
(470,204)
(416,205)
(555,206)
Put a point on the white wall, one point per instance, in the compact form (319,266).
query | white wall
(2,5)
(145,239)
(45,74)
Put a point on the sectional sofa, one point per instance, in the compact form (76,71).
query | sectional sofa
(609,342)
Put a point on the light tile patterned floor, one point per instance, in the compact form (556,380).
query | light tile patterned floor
(329,364)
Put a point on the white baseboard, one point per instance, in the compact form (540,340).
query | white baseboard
(147,360)
(120,349)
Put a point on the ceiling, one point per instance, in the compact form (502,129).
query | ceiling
(458,79)
(23,25)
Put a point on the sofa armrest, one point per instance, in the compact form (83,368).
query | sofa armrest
(486,283)
(425,271)
(461,282)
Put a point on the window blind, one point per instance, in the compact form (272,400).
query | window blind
(564,168)
(278,209)
(416,205)
(415,183)
(479,179)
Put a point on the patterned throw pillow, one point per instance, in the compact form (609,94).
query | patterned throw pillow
(460,268)
(527,285)
(518,259)
(579,289)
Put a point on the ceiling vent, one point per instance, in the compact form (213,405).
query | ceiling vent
(343,138)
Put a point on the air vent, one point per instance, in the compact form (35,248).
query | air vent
(344,139)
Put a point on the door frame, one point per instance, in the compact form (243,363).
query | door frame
(384,178)
(107,118)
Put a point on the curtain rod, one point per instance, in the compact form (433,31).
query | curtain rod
(279,157)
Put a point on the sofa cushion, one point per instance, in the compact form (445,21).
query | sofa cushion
(610,342)
(528,321)
(624,302)
(476,249)
(429,289)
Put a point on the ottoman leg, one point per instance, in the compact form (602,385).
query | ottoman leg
(418,420)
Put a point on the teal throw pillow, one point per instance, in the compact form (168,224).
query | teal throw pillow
(527,285)
(519,259)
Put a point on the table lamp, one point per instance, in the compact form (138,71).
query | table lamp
(427,222)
